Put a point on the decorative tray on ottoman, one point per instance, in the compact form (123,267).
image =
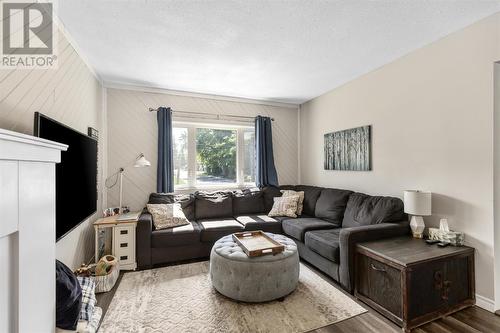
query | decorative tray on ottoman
(257,243)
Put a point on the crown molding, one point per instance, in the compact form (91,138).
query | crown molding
(126,86)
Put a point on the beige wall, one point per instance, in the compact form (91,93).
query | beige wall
(432,118)
(496,181)
(70,94)
(132,130)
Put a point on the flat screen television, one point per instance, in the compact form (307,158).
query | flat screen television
(76,175)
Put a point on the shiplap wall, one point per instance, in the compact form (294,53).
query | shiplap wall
(70,94)
(132,130)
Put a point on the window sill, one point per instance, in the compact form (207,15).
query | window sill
(213,188)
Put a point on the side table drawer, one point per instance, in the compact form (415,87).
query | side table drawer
(125,256)
(380,283)
(124,244)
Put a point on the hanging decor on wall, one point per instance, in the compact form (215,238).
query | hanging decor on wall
(349,149)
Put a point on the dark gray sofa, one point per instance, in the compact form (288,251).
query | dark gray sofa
(333,221)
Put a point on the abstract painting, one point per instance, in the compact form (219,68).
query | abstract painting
(349,149)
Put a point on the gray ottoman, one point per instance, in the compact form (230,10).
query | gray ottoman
(257,279)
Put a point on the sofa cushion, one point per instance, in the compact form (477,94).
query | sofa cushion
(213,229)
(296,228)
(311,195)
(260,222)
(331,204)
(186,201)
(364,209)
(210,205)
(270,193)
(248,202)
(183,235)
(287,187)
(325,243)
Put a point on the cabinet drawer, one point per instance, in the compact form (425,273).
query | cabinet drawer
(123,233)
(380,283)
(126,256)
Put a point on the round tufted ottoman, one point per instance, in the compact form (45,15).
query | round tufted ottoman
(256,279)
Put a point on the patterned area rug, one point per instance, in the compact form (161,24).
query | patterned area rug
(182,299)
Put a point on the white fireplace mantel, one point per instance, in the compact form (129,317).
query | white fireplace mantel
(27,232)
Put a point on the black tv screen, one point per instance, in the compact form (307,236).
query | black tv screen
(76,175)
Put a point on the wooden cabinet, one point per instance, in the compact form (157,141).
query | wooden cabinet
(411,282)
(120,242)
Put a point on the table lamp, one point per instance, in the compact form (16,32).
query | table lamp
(417,204)
(140,162)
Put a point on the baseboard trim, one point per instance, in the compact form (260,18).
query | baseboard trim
(485,303)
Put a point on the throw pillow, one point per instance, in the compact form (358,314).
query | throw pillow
(300,203)
(167,215)
(88,297)
(285,206)
(68,297)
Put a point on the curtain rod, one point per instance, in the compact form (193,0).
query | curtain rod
(210,114)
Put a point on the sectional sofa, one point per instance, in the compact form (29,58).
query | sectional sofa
(333,221)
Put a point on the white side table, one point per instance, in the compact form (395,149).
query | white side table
(117,237)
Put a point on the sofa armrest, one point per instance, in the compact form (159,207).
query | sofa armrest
(349,237)
(143,240)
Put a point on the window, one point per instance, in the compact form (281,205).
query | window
(180,150)
(249,159)
(213,155)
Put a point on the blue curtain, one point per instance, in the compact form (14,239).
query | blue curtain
(266,171)
(165,173)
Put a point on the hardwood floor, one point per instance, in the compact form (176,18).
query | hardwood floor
(470,320)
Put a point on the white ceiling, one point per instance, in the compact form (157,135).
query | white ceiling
(288,51)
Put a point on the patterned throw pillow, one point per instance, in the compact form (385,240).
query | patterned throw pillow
(167,215)
(300,204)
(88,297)
(285,206)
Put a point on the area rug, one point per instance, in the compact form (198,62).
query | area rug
(182,299)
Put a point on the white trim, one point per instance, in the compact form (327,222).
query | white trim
(62,28)
(103,138)
(485,303)
(156,90)
(299,171)
(32,140)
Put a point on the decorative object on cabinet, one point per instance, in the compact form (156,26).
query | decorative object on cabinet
(417,204)
(455,238)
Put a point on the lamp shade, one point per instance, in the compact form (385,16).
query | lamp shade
(417,202)
(141,162)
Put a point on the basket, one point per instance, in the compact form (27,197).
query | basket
(104,283)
